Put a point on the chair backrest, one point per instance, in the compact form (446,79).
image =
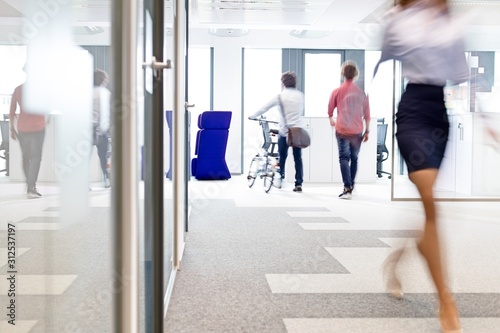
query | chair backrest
(211,143)
(213,134)
(4,127)
(381,134)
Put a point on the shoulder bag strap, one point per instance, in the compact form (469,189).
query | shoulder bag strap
(282,110)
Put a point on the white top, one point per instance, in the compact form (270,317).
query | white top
(293,104)
(427,42)
(101,108)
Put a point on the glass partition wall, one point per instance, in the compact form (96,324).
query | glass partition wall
(68,243)
(59,269)
(468,171)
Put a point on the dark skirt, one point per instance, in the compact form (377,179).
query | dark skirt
(422,126)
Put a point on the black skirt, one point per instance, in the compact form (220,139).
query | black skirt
(422,126)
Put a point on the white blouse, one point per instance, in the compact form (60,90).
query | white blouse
(427,42)
(101,108)
(292,101)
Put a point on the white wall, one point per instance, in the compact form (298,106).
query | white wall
(227,95)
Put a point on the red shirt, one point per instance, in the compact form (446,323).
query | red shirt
(26,122)
(352,107)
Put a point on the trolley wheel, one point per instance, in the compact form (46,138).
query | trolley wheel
(252,172)
(268,177)
(268,180)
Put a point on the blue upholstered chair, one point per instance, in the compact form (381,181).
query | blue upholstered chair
(211,143)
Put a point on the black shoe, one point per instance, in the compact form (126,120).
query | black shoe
(347,194)
(297,188)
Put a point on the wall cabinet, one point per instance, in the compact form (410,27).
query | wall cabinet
(321,158)
(455,175)
(470,165)
(485,157)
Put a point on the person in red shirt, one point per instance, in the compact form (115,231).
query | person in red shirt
(353,108)
(31,134)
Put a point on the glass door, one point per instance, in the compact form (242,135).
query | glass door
(161,171)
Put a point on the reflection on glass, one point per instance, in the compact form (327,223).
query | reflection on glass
(63,257)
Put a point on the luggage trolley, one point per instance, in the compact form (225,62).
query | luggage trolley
(265,164)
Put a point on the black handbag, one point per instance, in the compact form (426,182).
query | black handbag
(297,136)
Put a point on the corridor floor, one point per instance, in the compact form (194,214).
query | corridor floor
(255,262)
(311,263)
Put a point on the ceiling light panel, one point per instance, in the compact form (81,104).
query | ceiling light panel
(91,11)
(268,12)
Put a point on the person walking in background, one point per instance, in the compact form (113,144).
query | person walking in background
(101,121)
(352,109)
(31,135)
(291,102)
(422,35)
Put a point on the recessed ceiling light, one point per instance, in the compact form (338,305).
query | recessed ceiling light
(228,32)
(88,30)
(310,33)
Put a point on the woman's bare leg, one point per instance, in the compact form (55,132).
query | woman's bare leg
(429,247)
(392,281)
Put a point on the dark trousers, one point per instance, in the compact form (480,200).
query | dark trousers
(297,157)
(31,147)
(102,145)
(349,146)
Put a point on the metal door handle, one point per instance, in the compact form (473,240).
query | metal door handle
(156,65)
(461,128)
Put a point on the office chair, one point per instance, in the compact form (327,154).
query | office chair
(211,143)
(4,146)
(382,151)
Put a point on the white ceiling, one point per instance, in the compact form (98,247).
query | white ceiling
(343,17)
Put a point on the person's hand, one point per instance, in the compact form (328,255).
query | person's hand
(332,122)
(365,136)
(13,133)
